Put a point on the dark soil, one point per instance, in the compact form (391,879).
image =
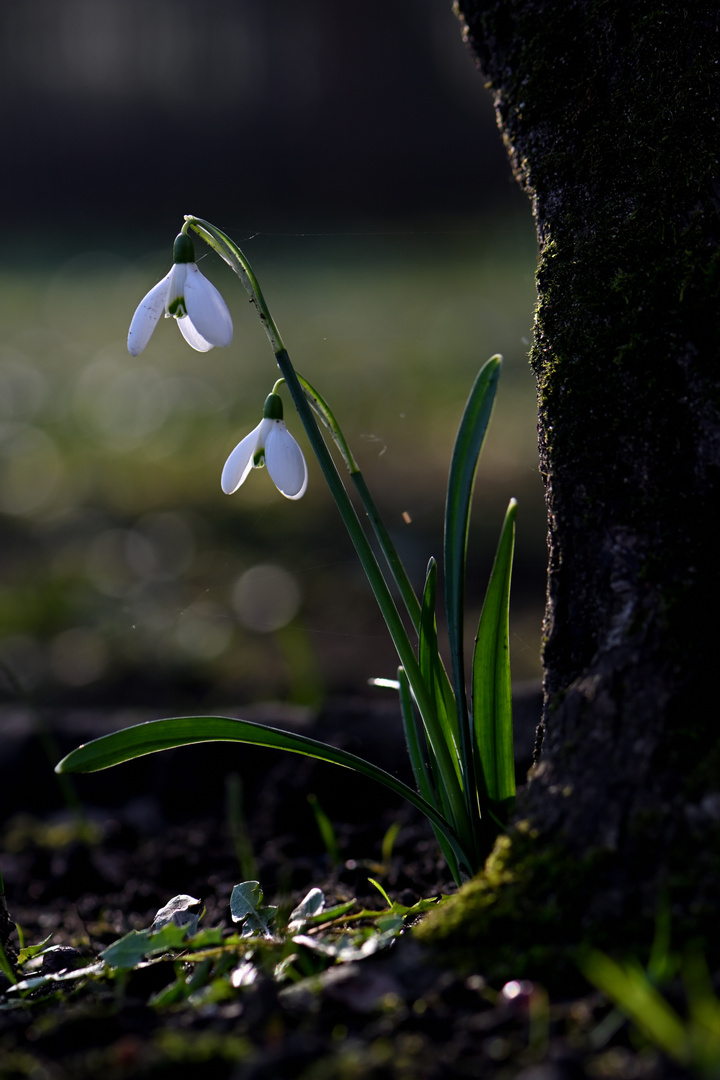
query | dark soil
(169,824)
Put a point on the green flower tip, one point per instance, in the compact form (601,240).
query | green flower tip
(183,249)
(273,407)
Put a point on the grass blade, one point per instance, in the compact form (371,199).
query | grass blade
(633,993)
(492,707)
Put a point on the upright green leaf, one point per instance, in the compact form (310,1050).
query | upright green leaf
(463,467)
(468,444)
(415,740)
(433,671)
(492,707)
(414,736)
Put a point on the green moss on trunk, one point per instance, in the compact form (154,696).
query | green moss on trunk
(537,904)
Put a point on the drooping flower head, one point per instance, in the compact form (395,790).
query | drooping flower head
(271,444)
(187,295)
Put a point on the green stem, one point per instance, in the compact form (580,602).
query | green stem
(382,594)
(397,569)
(412,604)
(407,592)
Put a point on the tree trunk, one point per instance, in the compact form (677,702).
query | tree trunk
(610,112)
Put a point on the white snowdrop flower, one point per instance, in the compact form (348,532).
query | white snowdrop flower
(271,444)
(189,297)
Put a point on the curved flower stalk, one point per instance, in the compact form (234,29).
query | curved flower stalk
(187,295)
(271,444)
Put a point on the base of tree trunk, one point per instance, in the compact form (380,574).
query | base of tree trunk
(539,903)
(610,115)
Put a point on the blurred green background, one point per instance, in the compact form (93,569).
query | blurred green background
(396,257)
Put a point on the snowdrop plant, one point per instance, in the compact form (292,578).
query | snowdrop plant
(186,295)
(458,724)
(271,444)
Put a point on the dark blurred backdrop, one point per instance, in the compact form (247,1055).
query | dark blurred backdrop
(277,113)
(352,150)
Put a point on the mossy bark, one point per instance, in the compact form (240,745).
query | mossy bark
(7,927)
(610,112)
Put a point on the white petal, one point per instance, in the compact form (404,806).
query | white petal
(240,462)
(285,462)
(147,314)
(188,331)
(206,308)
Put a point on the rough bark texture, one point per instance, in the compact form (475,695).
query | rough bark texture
(611,115)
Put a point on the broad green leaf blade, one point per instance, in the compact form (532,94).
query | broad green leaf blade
(492,707)
(129,950)
(246,908)
(155,735)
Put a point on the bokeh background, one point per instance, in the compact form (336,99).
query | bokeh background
(352,151)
